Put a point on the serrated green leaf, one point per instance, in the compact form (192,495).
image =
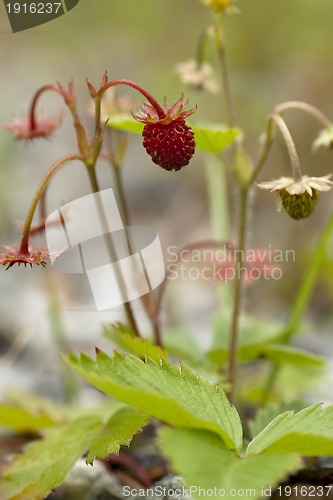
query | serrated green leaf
(133,345)
(45,463)
(118,431)
(291,355)
(265,415)
(175,396)
(210,138)
(213,138)
(308,432)
(201,458)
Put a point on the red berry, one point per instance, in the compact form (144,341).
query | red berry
(170,146)
(167,138)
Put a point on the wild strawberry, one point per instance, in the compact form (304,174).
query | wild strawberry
(167,139)
(298,197)
(299,206)
(170,146)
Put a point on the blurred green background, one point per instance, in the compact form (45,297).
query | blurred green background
(277,51)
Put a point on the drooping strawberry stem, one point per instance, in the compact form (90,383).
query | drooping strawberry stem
(295,163)
(159,110)
(308,108)
(24,248)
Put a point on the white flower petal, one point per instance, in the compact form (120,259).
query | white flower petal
(320,186)
(277,184)
(306,184)
(297,188)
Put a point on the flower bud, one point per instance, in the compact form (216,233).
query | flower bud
(299,206)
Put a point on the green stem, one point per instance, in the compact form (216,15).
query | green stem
(269,384)
(112,252)
(24,249)
(297,172)
(234,329)
(265,152)
(220,44)
(200,53)
(308,108)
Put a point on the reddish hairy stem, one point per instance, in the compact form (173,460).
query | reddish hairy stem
(35,98)
(24,248)
(159,110)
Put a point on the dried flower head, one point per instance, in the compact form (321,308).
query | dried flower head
(298,198)
(13,256)
(198,77)
(168,140)
(24,128)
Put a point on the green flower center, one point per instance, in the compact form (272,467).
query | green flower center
(299,206)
